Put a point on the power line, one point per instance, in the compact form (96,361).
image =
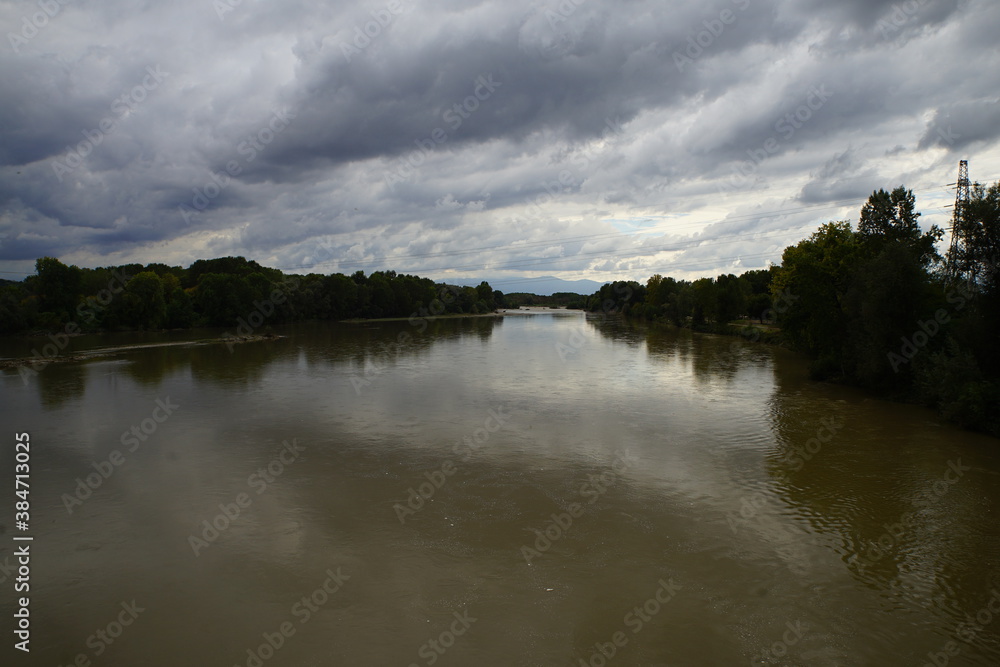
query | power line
(589,237)
(580,238)
(514,281)
(525,264)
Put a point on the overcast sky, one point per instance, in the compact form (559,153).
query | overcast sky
(582,138)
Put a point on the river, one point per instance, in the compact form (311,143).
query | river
(536,489)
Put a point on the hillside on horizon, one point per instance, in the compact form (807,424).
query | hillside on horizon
(541,286)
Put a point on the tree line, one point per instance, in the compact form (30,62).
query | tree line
(218,292)
(875,305)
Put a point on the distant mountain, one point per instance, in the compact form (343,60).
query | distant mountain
(543,286)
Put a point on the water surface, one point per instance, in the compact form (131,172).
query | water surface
(665,497)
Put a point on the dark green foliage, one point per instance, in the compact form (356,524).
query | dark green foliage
(229,292)
(180,312)
(16,308)
(619,297)
(732,295)
(889,219)
(557,299)
(235,266)
(486,298)
(57,286)
(222,299)
(759,298)
(869,306)
(142,305)
(886,295)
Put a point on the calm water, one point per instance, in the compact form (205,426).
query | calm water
(595,494)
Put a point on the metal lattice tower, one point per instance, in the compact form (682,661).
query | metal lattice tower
(959,265)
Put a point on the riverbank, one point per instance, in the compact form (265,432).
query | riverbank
(746,329)
(963,414)
(50,353)
(447,316)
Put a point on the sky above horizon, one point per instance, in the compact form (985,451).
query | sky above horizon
(574,138)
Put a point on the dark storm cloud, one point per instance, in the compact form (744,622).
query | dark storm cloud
(963,124)
(399,134)
(842,177)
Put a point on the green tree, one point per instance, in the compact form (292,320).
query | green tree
(179,312)
(886,298)
(731,295)
(759,299)
(889,218)
(383,299)
(220,299)
(621,296)
(343,294)
(485,294)
(890,287)
(817,272)
(58,287)
(979,225)
(465,300)
(703,301)
(235,266)
(142,305)
(14,316)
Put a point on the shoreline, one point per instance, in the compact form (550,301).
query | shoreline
(98,352)
(448,316)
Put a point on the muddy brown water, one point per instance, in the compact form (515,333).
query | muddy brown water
(547,489)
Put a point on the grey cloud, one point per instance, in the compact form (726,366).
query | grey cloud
(534,160)
(843,176)
(963,124)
